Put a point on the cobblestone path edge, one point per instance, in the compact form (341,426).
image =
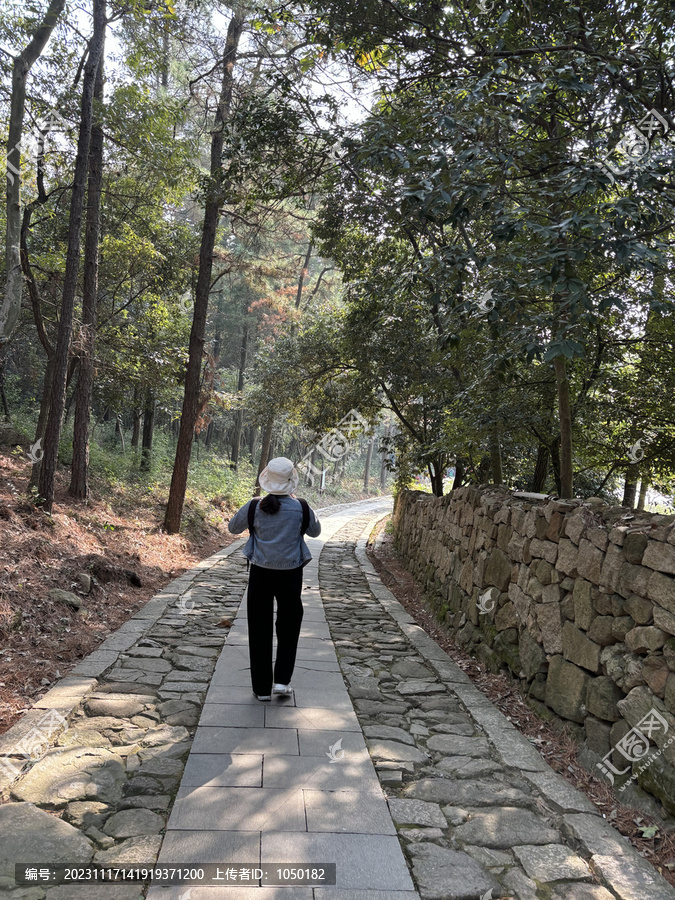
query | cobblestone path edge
(610,856)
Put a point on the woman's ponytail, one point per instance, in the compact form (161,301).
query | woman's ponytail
(270,504)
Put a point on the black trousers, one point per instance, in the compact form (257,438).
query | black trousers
(263,586)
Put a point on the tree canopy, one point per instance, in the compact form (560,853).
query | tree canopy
(251,219)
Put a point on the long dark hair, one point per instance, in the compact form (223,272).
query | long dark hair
(270,504)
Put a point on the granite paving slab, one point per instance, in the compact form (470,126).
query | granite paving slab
(225,770)
(232,715)
(363,861)
(238,809)
(355,772)
(246,740)
(311,717)
(210,846)
(321,698)
(347,811)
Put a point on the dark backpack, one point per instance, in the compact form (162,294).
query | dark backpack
(305,514)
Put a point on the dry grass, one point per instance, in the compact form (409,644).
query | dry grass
(116,538)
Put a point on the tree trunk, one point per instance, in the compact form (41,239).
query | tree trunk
(555,463)
(79,479)
(383,464)
(10,307)
(366,471)
(165,54)
(174,508)
(239,422)
(293,449)
(460,471)
(3,396)
(565,417)
(138,415)
(43,415)
(54,422)
(252,440)
(119,429)
(69,402)
(148,429)
(303,275)
(495,459)
(481,472)
(301,282)
(264,452)
(217,343)
(47,381)
(540,469)
(629,488)
(436,470)
(644,487)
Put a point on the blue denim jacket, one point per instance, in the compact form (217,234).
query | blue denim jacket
(277,542)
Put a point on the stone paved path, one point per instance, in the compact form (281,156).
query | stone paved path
(260,786)
(386,760)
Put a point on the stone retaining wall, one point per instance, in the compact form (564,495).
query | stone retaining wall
(576,597)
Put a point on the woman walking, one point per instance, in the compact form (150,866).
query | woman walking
(277,552)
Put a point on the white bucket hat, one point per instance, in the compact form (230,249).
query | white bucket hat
(279,476)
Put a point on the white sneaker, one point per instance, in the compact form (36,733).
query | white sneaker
(282,689)
(264,696)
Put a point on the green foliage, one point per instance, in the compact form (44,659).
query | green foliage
(464,239)
(479,242)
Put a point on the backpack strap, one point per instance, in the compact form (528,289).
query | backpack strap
(251,516)
(251,512)
(305,515)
